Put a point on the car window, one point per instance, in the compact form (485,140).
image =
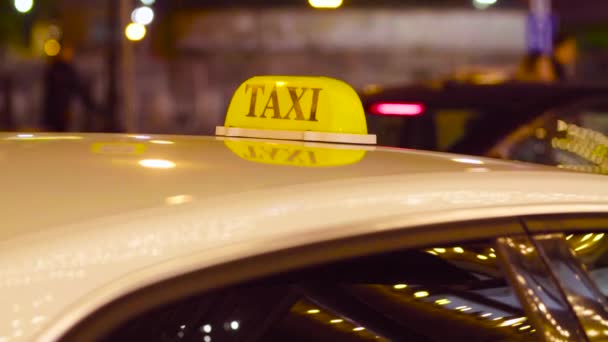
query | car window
(578,262)
(432,130)
(591,248)
(549,139)
(456,293)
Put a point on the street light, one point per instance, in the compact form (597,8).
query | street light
(325,3)
(135,32)
(23,6)
(483,4)
(142,15)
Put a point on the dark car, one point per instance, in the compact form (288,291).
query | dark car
(511,120)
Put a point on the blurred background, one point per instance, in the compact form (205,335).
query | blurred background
(170,66)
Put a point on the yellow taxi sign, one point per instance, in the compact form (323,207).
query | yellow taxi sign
(297,108)
(295,153)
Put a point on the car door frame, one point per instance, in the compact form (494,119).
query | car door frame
(120,309)
(113,313)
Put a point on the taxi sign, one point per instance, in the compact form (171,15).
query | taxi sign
(298,154)
(297,108)
(588,144)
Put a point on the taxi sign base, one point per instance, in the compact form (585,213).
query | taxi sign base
(344,138)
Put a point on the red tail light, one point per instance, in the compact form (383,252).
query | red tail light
(397,108)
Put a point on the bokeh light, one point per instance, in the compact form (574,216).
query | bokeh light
(325,3)
(142,15)
(135,31)
(24,6)
(52,47)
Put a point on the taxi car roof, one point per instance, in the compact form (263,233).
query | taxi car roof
(64,181)
(88,208)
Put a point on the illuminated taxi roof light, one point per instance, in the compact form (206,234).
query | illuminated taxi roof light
(297,108)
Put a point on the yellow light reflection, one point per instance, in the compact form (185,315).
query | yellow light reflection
(399,286)
(598,237)
(439,250)
(458,250)
(581,247)
(178,199)
(421,294)
(432,252)
(487,314)
(140,137)
(359,329)
(592,333)
(443,301)
(336,321)
(541,133)
(468,161)
(162,142)
(586,237)
(569,236)
(482,257)
(512,321)
(492,255)
(525,327)
(157,163)
(313,311)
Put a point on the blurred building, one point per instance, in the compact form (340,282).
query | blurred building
(193,57)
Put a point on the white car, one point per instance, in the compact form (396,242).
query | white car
(259,238)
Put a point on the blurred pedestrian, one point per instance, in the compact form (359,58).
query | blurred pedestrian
(62,84)
(536,67)
(565,55)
